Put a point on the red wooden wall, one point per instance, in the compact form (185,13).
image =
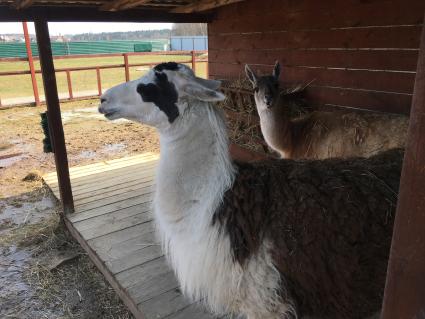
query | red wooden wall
(361,53)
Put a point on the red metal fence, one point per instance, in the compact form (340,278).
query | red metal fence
(195,57)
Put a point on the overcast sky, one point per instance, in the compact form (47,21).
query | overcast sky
(57,28)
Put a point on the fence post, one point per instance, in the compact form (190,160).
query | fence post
(99,83)
(68,80)
(193,61)
(127,70)
(31,63)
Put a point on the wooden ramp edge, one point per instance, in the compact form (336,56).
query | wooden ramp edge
(113,223)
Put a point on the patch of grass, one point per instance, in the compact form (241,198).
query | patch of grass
(20,85)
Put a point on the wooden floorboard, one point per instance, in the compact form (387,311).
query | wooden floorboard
(113,222)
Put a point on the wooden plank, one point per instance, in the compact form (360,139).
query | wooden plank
(397,82)
(122,293)
(252,7)
(392,37)
(81,215)
(84,176)
(122,224)
(153,286)
(104,178)
(405,287)
(54,114)
(111,217)
(103,167)
(143,273)
(164,305)
(135,258)
(92,14)
(366,100)
(393,60)
(129,242)
(109,188)
(337,15)
(194,311)
(146,194)
(90,189)
(143,187)
(203,5)
(22,4)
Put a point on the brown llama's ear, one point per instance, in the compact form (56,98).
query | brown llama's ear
(252,77)
(276,70)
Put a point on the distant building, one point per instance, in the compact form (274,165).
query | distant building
(189,43)
(11,38)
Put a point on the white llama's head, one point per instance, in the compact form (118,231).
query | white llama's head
(154,99)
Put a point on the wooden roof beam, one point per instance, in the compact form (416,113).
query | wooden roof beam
(22,4)
(91,14)
(122,4)
(203,5)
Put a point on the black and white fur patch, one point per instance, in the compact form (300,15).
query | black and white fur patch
(163,94)
(170,66)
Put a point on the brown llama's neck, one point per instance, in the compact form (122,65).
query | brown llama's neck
(277,129)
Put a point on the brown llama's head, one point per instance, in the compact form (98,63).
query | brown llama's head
(266,88)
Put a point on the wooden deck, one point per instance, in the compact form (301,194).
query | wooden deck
(113,223)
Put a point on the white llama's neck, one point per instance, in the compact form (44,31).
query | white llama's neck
(195,168)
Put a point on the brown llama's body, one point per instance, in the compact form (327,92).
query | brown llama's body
(329,224)
(320,134)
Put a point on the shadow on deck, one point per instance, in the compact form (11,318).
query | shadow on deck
(113,223)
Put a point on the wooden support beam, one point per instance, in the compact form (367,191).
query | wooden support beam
(92,14)
(22,4)
(203,5)
(122,4)
(31,64)
(54,117)
(405,288)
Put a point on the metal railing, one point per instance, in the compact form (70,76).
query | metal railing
(126,65)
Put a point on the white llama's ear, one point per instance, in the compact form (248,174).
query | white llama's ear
(252,77)
(202,93)
(209,84)
(276,70)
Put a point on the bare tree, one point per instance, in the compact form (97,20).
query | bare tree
(180,29)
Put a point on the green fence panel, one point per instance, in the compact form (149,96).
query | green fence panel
(17,49)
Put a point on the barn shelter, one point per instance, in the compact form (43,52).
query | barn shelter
(367,55)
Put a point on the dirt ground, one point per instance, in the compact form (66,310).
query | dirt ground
(43,271)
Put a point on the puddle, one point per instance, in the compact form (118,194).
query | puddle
(28,212)
(12,284)
(86,154)
(113,148)
(10,159)
(13,151)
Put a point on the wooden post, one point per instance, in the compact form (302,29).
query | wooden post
(31,63)
(68,80)
(193,61)
(127,70)
(54,118)
(99,82)
(404,296)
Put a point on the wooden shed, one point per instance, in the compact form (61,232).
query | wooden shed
(362,54)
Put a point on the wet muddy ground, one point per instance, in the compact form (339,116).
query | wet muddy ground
(43,272)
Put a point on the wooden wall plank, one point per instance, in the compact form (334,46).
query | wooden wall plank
(252,7)
(361,54)
(362,14)
(358,79)
(395,60)
(392,37)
